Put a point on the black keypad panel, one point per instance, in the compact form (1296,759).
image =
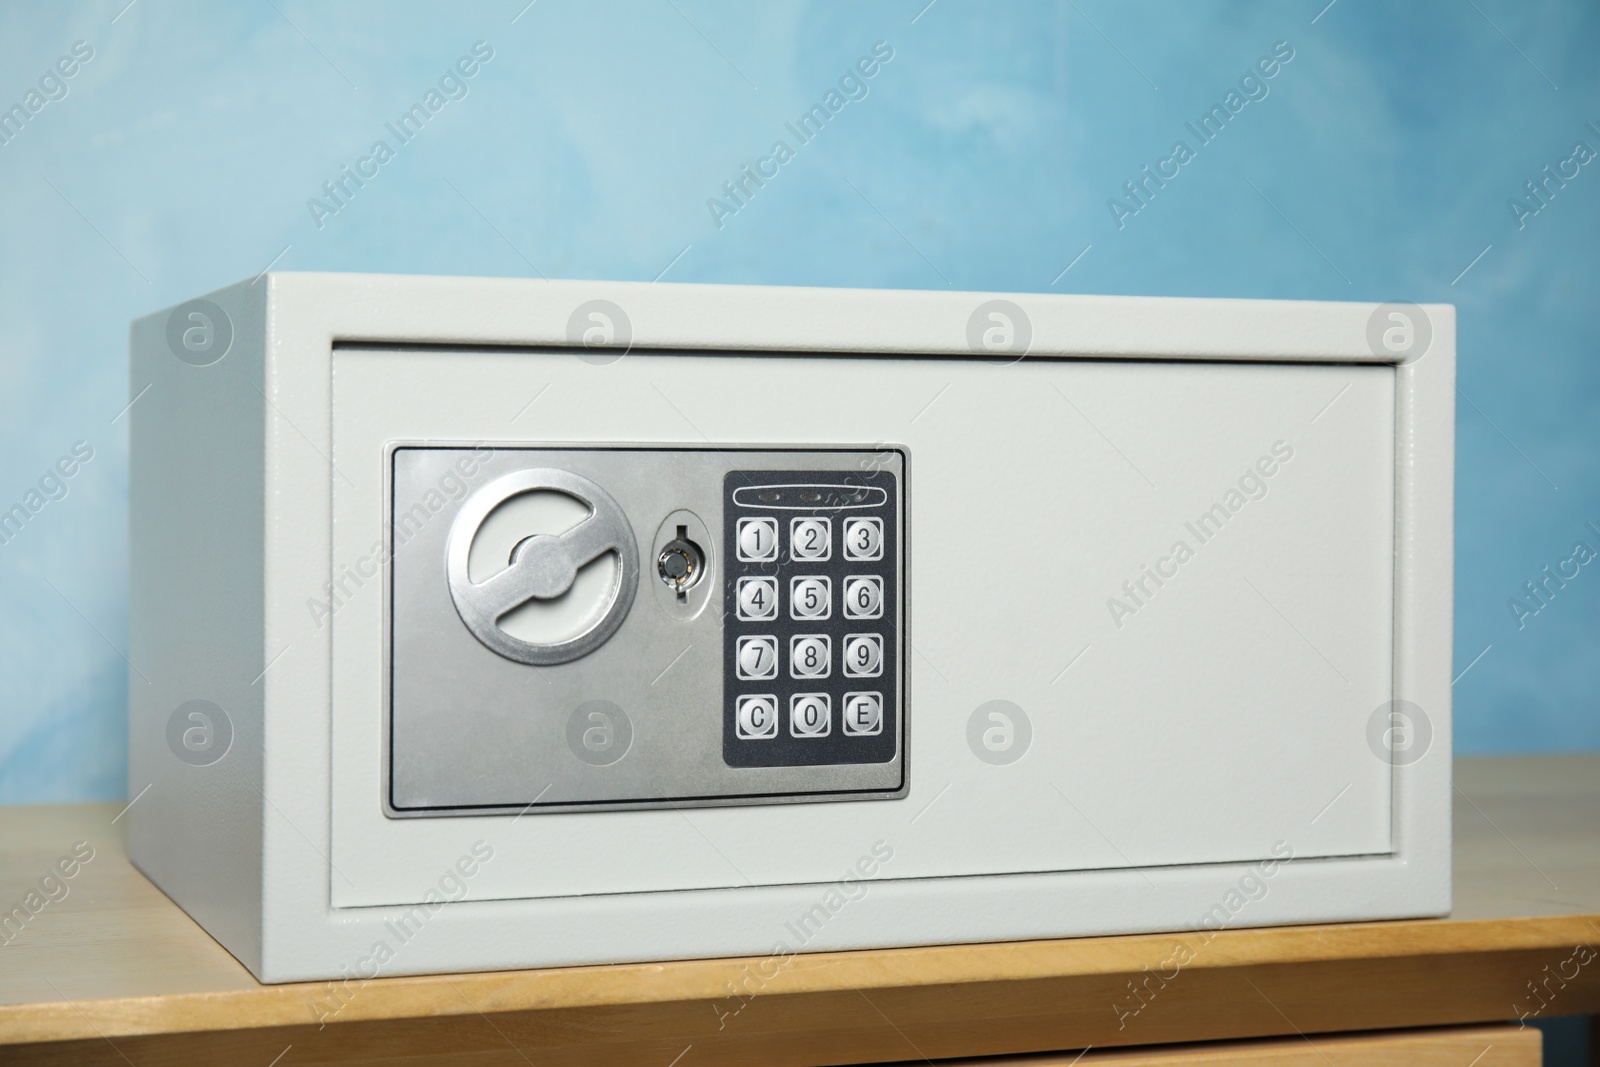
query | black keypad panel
(812,659)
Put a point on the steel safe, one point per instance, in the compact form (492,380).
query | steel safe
(494,623)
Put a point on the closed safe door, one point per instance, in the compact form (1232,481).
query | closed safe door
(684,621)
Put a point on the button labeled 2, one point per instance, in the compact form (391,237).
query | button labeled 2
(810,539)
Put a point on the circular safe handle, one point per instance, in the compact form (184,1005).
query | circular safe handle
(543,566)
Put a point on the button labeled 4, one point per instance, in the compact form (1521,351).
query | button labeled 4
(758,599)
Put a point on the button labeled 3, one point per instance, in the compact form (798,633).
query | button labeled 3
(863,538)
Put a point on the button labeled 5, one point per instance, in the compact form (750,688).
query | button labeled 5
(758,657)
(758,540)
(810,539)
(758,598)
(811,597)
(757,717)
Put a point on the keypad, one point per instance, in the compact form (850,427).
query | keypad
(812,585)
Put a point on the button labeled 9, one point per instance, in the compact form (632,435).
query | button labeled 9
(863,655)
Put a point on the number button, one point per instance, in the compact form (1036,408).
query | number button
(863,656)
(758,599)
(810,714)
(863,597)
(758,717)
(758,657)
(758,540)
(810,539)
(863,714)
(810,655)
(863,538)
(810,598)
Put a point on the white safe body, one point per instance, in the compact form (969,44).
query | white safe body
(1255,731)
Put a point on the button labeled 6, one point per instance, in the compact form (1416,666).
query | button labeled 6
(863,597)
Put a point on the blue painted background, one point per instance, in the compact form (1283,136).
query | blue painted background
(1380,164)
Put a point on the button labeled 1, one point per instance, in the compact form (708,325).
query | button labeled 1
(758,657)
(757,717)
(863,655)
(758,540)
(863,538)
(810,714)
(810,539)
(863,714)
(863,597)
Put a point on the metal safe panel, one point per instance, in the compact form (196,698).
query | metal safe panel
(602,628)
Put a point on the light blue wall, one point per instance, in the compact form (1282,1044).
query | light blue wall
(1378,166)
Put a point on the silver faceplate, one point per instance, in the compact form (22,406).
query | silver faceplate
(472,731)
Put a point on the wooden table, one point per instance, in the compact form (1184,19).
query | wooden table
(114,973)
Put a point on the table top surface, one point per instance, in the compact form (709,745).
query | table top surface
(114,955)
